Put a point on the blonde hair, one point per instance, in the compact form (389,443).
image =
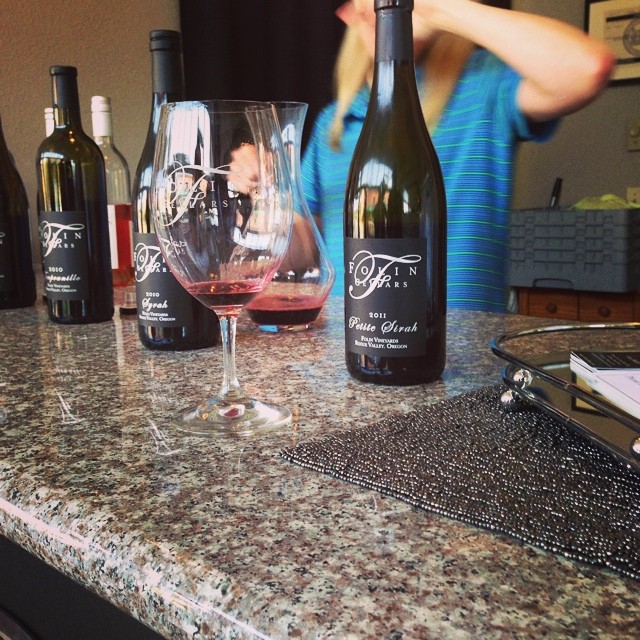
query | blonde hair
(442,65)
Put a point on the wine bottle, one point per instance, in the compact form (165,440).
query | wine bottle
(72,196)
(169,318)
(118,193)
(49,126)
(17,280)
(395,224)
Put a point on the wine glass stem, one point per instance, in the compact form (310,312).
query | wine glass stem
(230,385)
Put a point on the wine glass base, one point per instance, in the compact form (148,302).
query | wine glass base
(239,418)
(279,328)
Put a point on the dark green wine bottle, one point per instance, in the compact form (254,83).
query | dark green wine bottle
(169,318)
(72,221)
(395,224)
(17,280)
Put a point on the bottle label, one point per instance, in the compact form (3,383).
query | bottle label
(5,258)
(386,296)
(162,301)
(63,238)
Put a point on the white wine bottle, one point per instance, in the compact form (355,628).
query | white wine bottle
(395,224)
(118,192)
(72,196)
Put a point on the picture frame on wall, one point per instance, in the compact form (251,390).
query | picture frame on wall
(617,22)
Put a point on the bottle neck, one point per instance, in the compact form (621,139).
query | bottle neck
(167,72)
(102,125)
(394,69)
(49,123)
(104,141)
(66,102)
(394,36)
(167,82)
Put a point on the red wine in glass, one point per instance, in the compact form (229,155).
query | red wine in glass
(224,295)
(285,311)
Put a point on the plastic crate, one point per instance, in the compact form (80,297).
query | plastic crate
(588,250)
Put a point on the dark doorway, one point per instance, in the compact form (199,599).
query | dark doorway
(297,42)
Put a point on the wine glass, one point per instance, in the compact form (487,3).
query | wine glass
(223,209)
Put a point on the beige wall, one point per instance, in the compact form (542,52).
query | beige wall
(107,40)
(589,149)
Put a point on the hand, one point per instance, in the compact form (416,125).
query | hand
(302,251)
(243,169)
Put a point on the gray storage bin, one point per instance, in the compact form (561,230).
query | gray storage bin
(588,250)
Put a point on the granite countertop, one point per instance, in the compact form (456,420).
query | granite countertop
(203,538)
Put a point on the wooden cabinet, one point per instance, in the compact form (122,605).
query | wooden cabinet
(588,306)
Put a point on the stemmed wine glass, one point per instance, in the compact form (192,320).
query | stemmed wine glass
(223,209)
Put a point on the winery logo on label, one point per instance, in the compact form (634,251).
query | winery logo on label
(54,235)
(148,259)
(372,271)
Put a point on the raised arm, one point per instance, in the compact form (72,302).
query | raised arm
(563,69)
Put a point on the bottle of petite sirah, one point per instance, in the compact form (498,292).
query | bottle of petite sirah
(169,318)
(17,280)
(395,224)
(118,193)
(73,223)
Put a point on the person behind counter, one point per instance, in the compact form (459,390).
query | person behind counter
(489,78)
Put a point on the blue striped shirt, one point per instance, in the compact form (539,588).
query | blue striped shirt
(476,141)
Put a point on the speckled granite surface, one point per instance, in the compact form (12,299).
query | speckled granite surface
(215,539)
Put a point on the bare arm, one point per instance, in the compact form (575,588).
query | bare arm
(563,69)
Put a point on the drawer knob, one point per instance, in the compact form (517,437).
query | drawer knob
(604,312)
(552,307)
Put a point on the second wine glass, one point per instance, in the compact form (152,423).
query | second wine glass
(223,207)
(295,296)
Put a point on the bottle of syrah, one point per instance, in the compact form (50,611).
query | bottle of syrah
(73,223)
(395,224)
(169,318)
(17,280)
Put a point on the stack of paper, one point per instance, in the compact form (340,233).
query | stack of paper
(613,374)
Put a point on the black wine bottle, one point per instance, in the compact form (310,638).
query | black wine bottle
(169,318)
(17,280)
(73,223)
(395,224)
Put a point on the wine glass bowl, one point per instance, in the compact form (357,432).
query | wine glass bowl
(223,207)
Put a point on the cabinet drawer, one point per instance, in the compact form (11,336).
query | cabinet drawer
(606,307)
(549,303)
